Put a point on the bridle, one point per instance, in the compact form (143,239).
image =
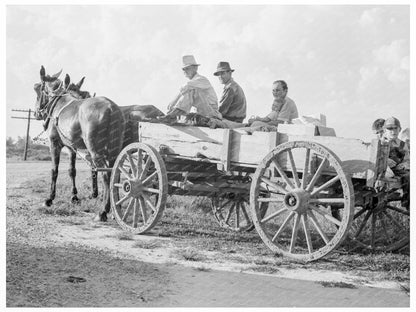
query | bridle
(45,109)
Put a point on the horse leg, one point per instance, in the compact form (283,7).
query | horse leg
(94,174)
(56,154)
(72,174)
(99,162)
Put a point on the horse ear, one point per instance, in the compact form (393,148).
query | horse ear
(79,84)
(93,95)
(67,81)
(57,74)
(42,73)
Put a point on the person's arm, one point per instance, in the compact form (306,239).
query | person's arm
(172,104)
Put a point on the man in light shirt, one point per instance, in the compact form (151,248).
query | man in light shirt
(284,109)
(197,93)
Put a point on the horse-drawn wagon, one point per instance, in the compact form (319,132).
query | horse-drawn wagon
(304,193)
(303,189)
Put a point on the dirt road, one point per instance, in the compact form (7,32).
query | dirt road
(71,261)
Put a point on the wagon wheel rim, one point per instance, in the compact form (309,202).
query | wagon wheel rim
(380,227)
(138,188)
(300,225)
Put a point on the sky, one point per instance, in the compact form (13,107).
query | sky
(348,62)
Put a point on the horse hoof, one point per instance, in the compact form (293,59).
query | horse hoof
(75,199)
(47,203)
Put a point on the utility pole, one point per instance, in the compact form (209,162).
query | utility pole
(27,129)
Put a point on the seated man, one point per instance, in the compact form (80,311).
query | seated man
(399,156)
(233,104)
(377,127)
(197,93)
(284,109)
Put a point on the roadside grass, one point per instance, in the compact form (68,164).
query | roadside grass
(190,220)
(189,254)
(337,284)
(125,236)
(144,244)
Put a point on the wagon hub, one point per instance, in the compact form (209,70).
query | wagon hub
(132,187)
(297,200)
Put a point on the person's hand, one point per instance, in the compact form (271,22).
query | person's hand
(391,163)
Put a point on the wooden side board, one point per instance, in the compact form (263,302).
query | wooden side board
(236,146)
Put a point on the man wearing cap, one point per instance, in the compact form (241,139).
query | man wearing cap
(377,127)
(399,156)
(233,104)
(197,92)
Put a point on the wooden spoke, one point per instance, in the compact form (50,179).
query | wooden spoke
(150,178)
(273,215)
(118,185)
(135,213)
(359,213)
(317,175)
(126,213)
(274,199)
(146,167)
(296,224)
(245,214)
(326,215)
(306,231)
(318,227)
(288,218)
(132,165)
(283,174)
(225,203)
(122,200)
(274,185)
(398,225)
(229,213)
(325,185)
(327,200)
(149,202)
(306,168)
(143,209)
(125,173)
(407,213)
(363,223)
(237,215)
(386,235)
(294,171)
(373,229)
(139,163)
(151,190)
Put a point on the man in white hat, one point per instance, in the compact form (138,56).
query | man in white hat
(233,104)
(197,92)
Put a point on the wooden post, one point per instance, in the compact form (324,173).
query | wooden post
(27,136)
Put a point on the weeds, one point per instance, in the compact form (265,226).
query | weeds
(190,254)
(337,284)
(147,244)
(124,236)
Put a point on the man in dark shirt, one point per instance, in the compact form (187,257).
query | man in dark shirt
(233,104)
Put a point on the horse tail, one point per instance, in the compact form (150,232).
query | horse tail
(116,133)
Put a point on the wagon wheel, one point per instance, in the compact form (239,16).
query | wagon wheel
(231,210)
(138,187)
(298,178)
(383,225)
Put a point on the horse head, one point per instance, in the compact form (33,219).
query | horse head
(48,87)
(75,89)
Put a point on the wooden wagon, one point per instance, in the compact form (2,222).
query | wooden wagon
(303,189)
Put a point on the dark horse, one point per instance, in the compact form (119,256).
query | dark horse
(94,125)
